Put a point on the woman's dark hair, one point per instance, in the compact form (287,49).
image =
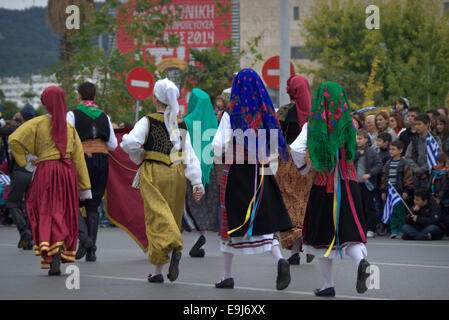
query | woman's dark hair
(445,134)
(87,91)
(399,120)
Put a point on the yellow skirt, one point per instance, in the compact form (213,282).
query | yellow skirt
(163,191)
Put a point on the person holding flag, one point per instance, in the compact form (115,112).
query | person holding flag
(422,152)
(397,176)
(334,224)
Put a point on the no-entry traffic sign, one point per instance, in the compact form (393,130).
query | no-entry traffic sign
(140,83)
(271,72)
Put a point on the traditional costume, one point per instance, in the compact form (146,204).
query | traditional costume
(294,186)
(253,212)
(20,181)
(202,125)
(334,224)
(97,136)
(165,165)
(61,171)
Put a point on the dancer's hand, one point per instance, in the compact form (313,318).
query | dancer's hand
(198,192)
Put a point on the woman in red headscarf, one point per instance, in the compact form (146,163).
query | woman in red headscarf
(61,171)
(294,186)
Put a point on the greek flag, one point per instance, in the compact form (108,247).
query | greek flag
(4,179)
(393,200)
(432,151)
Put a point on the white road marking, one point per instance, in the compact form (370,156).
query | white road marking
(238,288)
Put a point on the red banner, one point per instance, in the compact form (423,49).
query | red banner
(201,27)
(124,204)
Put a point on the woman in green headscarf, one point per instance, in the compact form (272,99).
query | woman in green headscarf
(334,224)
(202,125)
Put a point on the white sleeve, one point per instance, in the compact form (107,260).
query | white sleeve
(112,142)
(193,166)
(224,135)
(298,150)
(132,142)
(71,118)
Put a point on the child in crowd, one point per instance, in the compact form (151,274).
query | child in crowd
(383,146)
(398,173)
(439,186)
(368,166)
(423,224)
(401,107)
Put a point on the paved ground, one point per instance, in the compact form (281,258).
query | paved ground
(408,270)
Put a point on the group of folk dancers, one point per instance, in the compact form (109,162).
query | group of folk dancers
(310,202)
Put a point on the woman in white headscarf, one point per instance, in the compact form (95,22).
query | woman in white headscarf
(160,144)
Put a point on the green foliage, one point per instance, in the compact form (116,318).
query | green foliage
(26,42)
(9,109)
(412,47)
(146,25)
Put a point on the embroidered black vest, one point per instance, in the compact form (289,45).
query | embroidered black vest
(89,128)
(158,146)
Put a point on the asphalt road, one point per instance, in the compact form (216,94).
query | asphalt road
(407,270)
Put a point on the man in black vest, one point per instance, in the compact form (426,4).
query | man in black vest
(20,181)
(97,135)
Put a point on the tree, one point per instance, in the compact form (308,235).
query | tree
(412,46)
(144,23)
(56,17)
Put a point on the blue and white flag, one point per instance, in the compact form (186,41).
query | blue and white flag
(4,179)
(393,199)
(432,151)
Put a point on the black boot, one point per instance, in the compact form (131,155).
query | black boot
(294,259)
(22,226)
(55,264)
(90,256)
(92,227)
(84,241)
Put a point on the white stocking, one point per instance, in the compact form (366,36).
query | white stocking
(325,266)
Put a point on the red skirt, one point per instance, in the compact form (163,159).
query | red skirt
(53,208)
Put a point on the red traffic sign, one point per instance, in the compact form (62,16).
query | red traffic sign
(140,83)
(271,72)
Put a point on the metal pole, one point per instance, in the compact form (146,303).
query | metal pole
(284,48)
(137,112)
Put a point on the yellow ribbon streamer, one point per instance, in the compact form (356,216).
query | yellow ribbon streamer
(334,212)
(248,212)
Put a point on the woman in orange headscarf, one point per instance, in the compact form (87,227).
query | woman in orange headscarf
(294,186)
(61,171)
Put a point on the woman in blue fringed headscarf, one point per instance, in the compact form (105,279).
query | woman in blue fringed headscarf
(253,212)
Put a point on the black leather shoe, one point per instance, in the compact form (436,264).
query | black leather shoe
(198,254)
(159,278)
(294,259)
(328,292)
(195,252)
(225,284)
(283,278)
(173,269)
(362,276)
(309,258)
(25,237)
